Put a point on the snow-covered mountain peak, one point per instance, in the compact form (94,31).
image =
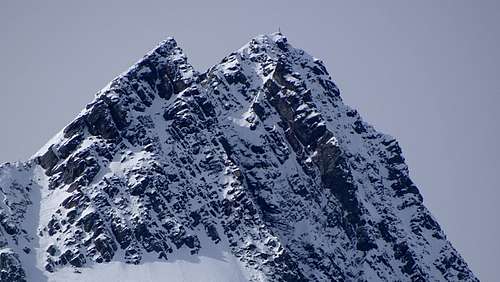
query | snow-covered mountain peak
(253,171)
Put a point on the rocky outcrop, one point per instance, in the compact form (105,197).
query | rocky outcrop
(11,269)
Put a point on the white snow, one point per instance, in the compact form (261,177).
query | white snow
(190,269)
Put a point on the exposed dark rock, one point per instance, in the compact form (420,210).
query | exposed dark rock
(11,269)
(100,122)
(75,127)
(49,159)
(51,250)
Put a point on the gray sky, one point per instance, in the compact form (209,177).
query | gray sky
(426,72)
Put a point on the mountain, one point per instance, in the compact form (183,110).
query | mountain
(252,171)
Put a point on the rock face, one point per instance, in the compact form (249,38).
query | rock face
(258,154)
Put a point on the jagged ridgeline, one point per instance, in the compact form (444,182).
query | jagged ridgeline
(252,171)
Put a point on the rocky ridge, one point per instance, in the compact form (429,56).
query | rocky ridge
(258,155)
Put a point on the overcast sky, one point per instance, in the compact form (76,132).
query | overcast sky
(426,72)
